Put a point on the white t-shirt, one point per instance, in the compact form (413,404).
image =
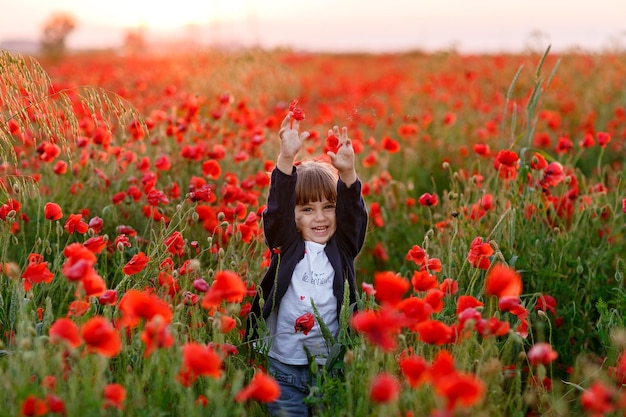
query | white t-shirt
(312,279)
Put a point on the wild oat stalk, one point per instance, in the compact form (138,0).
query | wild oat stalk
(32,111)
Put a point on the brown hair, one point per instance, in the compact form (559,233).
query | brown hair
(316,181)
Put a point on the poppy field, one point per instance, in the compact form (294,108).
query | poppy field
(492,278)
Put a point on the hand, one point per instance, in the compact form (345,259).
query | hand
(290,137)
(290,142)
(343,159)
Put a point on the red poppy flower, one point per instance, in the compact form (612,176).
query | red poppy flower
(432,264)
(331,144)
(441,367)
(428,200)
(66,331)
(33,406)
(390,145)
(262,388)
(163,163)
(136,264)
(297,113)
(76,224)
(108,297)
(434,332)
(390,287)
(227,323)
(211,169)
(423,281)
(417,255)
(479,253)
(461,389)
(55,404)
(36,273)
(376,215)
(541,353)
(114,396)
(466,301)
(598,399)
(587,141)
(553,175)
(492,327)
(538,162)
(199,360)
(370,160)
(384,388)
(482,149)
(546,303)
(415,369)
(434,297)
(77,308)
(619,370)
(507,158)
(11,205)
(380,327)
(503,281)
(169,283)
(136,305)
(506,163)
(52,211)
(156,334)
(96,244)
(368,289)
(449,286)
(416,310)
(512,304)
(93,284)
(468,314)
(228,287)
(175,244)
(305,323)
(603,138)
(100,335)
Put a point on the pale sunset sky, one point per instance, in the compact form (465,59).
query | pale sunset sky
(333,25)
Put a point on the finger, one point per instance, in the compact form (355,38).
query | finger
(286,121)
(336,131)
(330,132)
(304,136)
(344,132)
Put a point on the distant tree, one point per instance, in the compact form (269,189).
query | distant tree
(135,41)
(54,34)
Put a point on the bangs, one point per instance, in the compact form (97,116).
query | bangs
(316,182)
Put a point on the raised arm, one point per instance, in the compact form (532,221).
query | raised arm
(350,209)
(278,218)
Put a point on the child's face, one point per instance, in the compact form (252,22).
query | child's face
(316,221)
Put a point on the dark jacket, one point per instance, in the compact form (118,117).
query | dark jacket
(287,246)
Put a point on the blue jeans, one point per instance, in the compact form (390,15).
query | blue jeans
(294,381)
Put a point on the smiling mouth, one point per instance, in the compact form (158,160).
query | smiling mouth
(320,229)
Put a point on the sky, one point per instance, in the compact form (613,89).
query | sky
(471,26)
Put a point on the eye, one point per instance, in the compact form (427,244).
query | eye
(328,207)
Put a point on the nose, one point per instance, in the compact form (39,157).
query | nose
(319,215)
